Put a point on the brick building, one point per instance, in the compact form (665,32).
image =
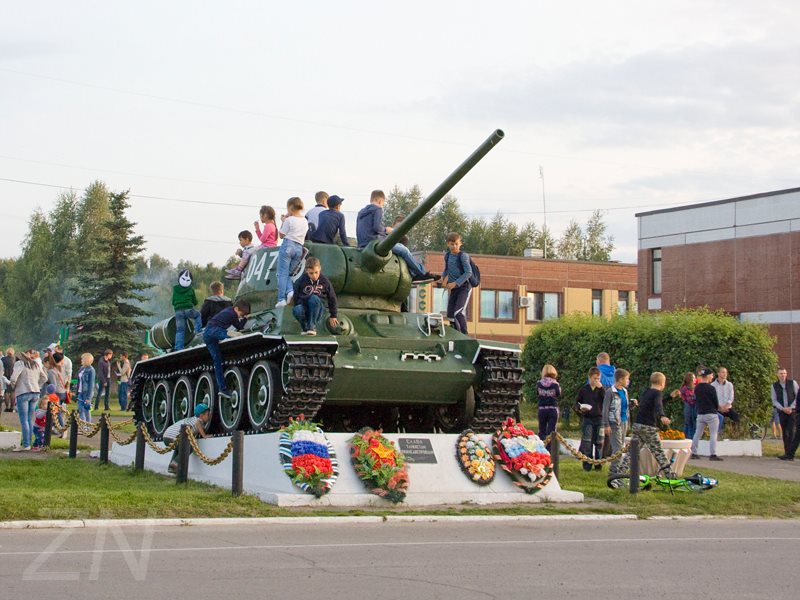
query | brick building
(518,292)
(740,255)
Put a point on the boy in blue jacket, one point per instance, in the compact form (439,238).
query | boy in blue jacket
(369,227)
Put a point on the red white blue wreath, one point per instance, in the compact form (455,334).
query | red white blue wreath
(308,457)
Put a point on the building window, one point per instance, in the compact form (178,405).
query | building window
(497,305)
(622,303)
(656,270)
(597,302)
(543,306)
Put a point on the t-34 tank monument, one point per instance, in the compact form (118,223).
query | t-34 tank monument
(379,367)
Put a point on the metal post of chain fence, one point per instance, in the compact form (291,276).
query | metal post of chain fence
(73,434)
(48,426)
(183,455)
(634,453)
(139,461)
(104,438)
(555,451)
(237,478)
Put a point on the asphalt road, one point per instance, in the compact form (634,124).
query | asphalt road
(552,559)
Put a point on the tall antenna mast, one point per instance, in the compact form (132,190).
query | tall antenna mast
(544,212)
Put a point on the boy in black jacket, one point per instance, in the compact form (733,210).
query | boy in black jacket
(309,292)
(216,302)
(589,405)
(648,421)
(707,408)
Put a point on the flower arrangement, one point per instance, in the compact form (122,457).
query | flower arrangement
(672,434)
(523,456)
(380,465)
(475,458)
(307,457)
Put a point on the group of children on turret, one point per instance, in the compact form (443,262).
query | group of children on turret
(312,292)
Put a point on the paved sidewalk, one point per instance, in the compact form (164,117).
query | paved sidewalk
(764,466)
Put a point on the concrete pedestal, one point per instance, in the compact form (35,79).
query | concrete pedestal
(9,439)
(441,483)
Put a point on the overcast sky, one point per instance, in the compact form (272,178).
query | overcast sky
(627,106)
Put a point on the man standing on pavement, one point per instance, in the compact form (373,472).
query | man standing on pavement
(707,409)
(725,396)
(784,398)
(104,378)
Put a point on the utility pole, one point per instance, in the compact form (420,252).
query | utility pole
(544,213)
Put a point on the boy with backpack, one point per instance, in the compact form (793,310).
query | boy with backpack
(460,275)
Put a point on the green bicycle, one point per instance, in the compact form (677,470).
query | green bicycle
(693,483)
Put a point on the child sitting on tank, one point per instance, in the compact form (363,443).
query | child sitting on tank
(269,235)
(198,423)
(293,232)
(369,227)
(216,331)
(331,223)
(216,302)
(247,247)
(311,290)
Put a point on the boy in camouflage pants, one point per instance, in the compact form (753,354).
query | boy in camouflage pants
(651,414)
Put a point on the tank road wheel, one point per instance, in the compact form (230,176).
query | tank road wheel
(417,419)
(182,399)
(231,410)
(148,394)
(455,418)
(260,395)
(161,406)
(205,392)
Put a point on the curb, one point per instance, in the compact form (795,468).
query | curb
(89,523)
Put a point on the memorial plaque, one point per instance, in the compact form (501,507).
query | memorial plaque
(417,450)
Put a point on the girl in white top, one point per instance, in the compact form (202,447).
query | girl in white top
(293,232)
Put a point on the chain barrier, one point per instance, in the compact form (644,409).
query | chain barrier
(581,456)
(55,409)
(112,433)
(119,424)
(203,457)
(152,444)
(86,426)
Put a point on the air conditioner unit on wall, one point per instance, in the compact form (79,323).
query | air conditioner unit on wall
(525,301)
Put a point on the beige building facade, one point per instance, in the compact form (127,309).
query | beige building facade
(517,293)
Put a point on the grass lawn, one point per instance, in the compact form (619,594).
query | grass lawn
(60,488)
(736,495)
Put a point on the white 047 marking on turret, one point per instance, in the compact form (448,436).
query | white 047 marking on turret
(256,267)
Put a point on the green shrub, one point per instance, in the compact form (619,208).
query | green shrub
(670,342)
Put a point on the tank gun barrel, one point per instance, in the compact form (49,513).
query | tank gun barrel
(384,246)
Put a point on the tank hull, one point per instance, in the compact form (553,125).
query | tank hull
(388,361)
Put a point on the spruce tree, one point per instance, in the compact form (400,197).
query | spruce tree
(109,297)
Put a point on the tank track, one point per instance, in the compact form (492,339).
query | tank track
(308,368)
(309,371)
(500,390)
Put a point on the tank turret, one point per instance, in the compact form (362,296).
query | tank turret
(380,366)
